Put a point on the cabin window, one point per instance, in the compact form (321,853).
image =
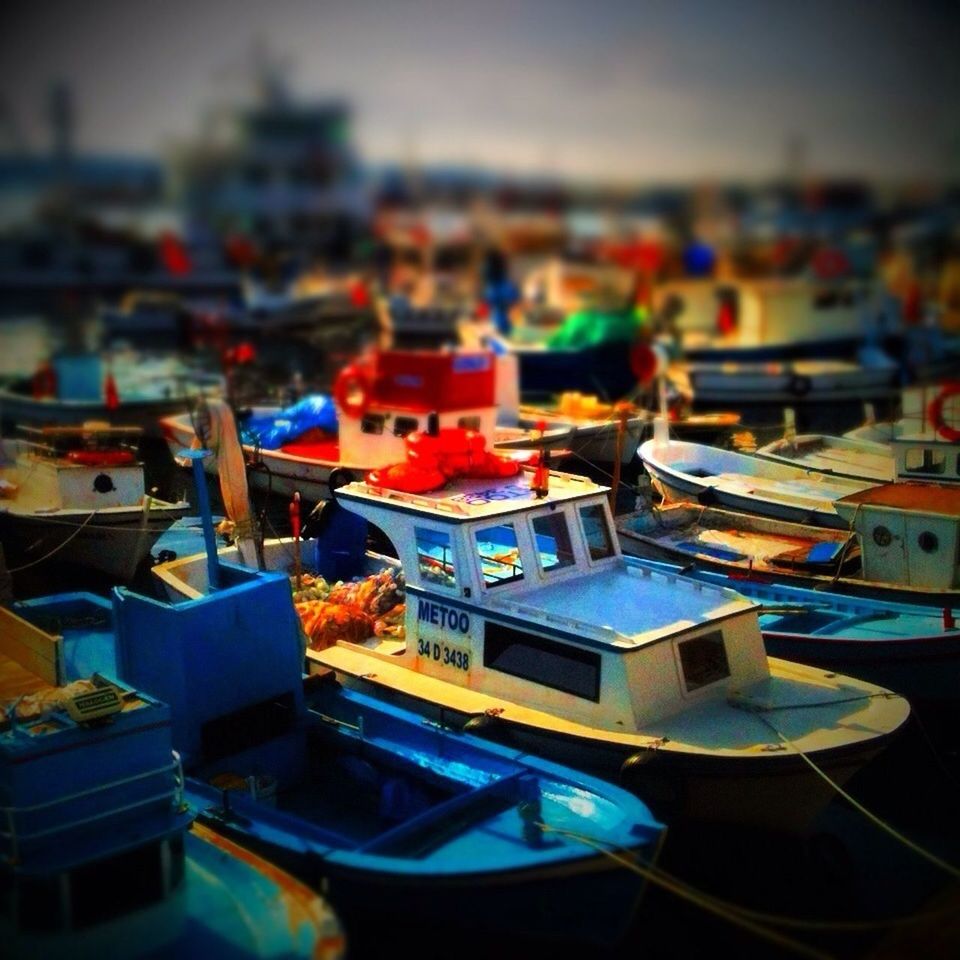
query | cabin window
(469,423)
(552,538)
(542,661)
(704,660)
(596,531)
(372,423)
(925,460)
(404,425)
(499,554)
(435,557)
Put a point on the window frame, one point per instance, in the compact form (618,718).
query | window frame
(518,533)
(608,526)
(574,553)
(451,546)
(717,633)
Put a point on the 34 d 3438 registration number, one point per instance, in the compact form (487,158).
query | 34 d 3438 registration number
(444,654)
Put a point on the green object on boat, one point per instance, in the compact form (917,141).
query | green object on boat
(591,328)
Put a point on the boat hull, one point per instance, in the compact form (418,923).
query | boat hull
(800,383)
(679,488)
(924,668)
(114,543)
(19,410)
(545,904)
(604,370)
(776,790)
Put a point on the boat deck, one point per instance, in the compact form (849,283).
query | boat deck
(474,499)
(625,607)
(816,489)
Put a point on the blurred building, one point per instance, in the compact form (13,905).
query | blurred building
(281,171)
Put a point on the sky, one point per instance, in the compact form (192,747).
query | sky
(595,89)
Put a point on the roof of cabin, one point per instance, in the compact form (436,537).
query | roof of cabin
(463,500)
(624,606)
(910,495)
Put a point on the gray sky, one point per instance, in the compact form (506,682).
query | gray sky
(628,90)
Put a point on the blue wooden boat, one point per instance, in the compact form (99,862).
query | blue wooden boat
(432,825)
(911,648)
(98,856)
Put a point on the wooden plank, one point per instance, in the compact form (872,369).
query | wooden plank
(35,650)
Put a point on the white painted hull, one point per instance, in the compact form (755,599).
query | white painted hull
(114,542)
(691,471)
(837,456)
(680,773)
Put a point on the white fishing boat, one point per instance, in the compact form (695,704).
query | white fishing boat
(523,617)
(931,410)
(693,471)
(767,319)
(910,533)
(76,495)
(837,456)
(378,403)
(923,445)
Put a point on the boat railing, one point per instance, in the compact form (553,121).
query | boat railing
(444,506)
(14,837)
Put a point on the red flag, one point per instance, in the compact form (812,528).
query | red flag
(173,255)
(110,394)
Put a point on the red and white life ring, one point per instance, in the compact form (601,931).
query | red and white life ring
(351,390)
(935,413)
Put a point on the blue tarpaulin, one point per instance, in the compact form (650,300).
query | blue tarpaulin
(316,410)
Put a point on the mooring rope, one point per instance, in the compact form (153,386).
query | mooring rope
(55,550)
(881,824)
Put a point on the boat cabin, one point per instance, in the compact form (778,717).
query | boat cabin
(85,467)
(395,392)
(909,533)
(767,312)
(528,598)
(90,790)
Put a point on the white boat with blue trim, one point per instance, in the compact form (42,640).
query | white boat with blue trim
(523,620)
